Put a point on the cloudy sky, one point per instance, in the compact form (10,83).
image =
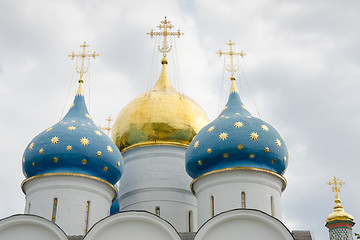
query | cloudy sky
(302,69)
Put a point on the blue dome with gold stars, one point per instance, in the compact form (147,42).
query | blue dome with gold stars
(74,145)
(236,139)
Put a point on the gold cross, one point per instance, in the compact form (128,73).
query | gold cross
(165,25)
(336,185)
(108,128)
(231,53)
(82,70)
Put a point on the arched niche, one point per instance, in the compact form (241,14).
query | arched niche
(243,224)
(133,225)
(29,227)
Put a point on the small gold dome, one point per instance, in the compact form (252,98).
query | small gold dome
(339,213)
(162,116)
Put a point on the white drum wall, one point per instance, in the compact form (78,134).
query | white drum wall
(226,188)
(73,193)
(155,176)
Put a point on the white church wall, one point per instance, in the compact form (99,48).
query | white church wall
(29,227)
(134,225)
(226,188)
(155,176)
(79,199)
(243,224)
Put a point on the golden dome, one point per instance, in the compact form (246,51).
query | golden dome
(339,213)
(162,116)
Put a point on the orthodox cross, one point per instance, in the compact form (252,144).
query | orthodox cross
(336,185)
(82,70)
(165,26)
(108,128)
(231,68)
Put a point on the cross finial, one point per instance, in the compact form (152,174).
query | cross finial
(165,26)
(85,54)
(336,185)
(108,128)
(231,68)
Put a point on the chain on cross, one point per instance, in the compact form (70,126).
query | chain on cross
(85,54)
(336,185)
(165,26)
(231,68)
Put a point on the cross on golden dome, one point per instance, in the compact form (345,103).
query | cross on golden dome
(165,26)
(231,68)
(336,185)
(82,70)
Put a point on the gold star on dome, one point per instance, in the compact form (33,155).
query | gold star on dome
(72,105)
(248,116)
(244,107)
(72,120)
(84,141)
(267,150)
(34,164)
(252,156)
(227,117)
(54,140)
(264,127)
(89,124)
(23,159)
(240,146)
(109,149)
(196,144)
(238,124)
(55,159)
(105,169)
(31,146)
(225,155)
(118,164)
(211,129)
(254,136)
(71,128)
(87,115)
(278,142)
(41,151)
(274,160)
(97,133)
(84,161)
(98,153)
(82,124)
(49,129)
(209,150)
(284,160)
(223,136)
(237,113)
(200,162)
(68,148)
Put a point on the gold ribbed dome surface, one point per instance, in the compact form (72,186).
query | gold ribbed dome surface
(162,116)
(339,213)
